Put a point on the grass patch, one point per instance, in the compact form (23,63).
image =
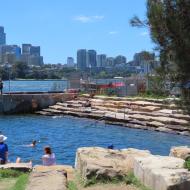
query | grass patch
(72,185)
(187,164)
(21,178)
(4,173)
(130,179)
(21,182)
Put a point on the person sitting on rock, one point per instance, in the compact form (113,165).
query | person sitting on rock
(3,150)
(48,159)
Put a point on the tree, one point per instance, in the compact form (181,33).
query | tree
(169,24)
(19,70)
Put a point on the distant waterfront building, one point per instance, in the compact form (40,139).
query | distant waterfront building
(143,56)
(120,59)
(26,49)
(110,62)
(82,59)
(31,55)
(35,51)
(91,59)
(10,53)
(2,36)
(101,60)
(70,62)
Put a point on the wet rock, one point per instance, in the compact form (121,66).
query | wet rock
(162,173)
(182,152)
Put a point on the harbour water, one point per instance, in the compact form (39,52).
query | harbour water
(66,134)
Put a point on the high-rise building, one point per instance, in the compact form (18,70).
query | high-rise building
(120,59)
(26,48)
(101,60)
(10,53)
(91,59)
(31,54)
(82,59)
(110,62)
(2,36)
(70,62)
(35,50)
(143,56)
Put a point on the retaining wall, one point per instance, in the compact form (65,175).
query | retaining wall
(29,103)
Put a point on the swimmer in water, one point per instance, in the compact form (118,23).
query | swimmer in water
(33,144)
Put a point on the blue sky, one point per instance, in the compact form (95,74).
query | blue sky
(61,27)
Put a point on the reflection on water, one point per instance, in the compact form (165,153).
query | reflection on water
(66,134)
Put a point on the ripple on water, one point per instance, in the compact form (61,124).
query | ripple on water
(66,134)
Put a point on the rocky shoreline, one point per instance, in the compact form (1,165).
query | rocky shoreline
(99,164)
(147,114)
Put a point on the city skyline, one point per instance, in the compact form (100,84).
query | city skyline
(61,28)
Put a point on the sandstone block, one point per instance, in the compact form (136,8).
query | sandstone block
(162,173)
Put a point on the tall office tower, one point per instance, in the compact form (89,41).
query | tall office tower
(143,56)
(110,62)
(91,59)
(31,55)
(2,36)
(101,60)
(35,50)
(120,59)
(82,59)
(70,62)
(10,53)
(26,48)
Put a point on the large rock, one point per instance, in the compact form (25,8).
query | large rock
(180,152)
(48,178)
(102,163)
(162,173)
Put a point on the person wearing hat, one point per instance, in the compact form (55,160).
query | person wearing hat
(3,150)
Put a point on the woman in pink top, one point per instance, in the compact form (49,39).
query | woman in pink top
(48,158)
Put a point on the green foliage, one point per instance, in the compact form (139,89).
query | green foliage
(19,70)
(4,173)
(130,179)
(152,95)
(21,182)
(187,164)
(72,185)
(169,24)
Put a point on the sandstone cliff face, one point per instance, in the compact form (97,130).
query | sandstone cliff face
(155,172)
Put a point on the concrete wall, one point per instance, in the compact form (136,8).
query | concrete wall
(29,103)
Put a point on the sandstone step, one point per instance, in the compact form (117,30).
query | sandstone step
(48,178)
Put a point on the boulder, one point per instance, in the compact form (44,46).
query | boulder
(182,152)
(162,172)
(102,163)
(48,178)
